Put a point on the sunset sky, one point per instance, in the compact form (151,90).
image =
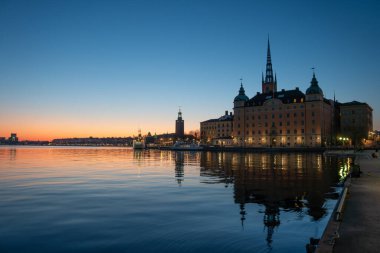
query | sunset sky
(108,68)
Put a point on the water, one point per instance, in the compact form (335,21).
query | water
(74,199)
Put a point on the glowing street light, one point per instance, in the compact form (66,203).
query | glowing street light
(343,139)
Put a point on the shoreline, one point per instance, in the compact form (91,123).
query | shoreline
(351,230)
(333,151)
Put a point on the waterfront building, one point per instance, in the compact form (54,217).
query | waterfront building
(169,139)
(356,122)
(285,118)
(217,131)
(13,139)
(94,141)
(179,126)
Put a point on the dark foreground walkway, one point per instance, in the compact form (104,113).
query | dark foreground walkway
(360,229)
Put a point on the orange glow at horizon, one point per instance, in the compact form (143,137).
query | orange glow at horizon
(35,130)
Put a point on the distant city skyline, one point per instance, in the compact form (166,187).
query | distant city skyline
(109,68)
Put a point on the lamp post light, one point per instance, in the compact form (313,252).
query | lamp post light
(343,140)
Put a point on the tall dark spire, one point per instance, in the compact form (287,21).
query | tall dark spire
(269,71)
(269,84)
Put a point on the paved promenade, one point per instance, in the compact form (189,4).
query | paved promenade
(360,228)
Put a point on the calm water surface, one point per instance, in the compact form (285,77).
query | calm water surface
(73,199)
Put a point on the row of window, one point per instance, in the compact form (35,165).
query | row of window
(274,124)
(283,138)
(214,134)
(273,116)
(279,108)
(353,112)
(253,132)
(215,127)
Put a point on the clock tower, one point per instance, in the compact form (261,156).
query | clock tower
(179,126)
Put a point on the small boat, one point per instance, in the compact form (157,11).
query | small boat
(139,142)
(179,145)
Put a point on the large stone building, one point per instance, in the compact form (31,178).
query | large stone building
(356,121)
(217,131)
(286,118)
(290,118)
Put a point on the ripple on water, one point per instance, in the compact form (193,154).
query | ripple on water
(71,199)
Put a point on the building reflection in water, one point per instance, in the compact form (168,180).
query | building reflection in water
(166,158)
(271,220)
(138,154)
(11,153)
(280,182)
(179,166)
(8,153)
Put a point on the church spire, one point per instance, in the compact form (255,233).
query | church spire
(269,84)
(269,71)
(268,53)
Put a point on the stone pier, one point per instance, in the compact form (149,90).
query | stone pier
(359,229)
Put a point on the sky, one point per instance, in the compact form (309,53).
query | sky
(108,68)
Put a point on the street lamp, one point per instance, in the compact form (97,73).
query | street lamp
(343,140)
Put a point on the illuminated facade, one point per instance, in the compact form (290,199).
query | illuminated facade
(217,131)
(286,118)
(356,121)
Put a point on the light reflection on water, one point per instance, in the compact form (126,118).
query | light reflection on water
(73,199)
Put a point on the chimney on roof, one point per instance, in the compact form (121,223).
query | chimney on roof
(257,93)
(226,113)
(283,90)
(297,88)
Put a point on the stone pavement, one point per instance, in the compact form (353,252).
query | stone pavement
(359,231)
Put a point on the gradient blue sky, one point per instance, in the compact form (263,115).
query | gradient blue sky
(108,68)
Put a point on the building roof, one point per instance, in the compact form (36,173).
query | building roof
(314,87)
(286,96)
(353,103)
(241,96)
(223,118)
